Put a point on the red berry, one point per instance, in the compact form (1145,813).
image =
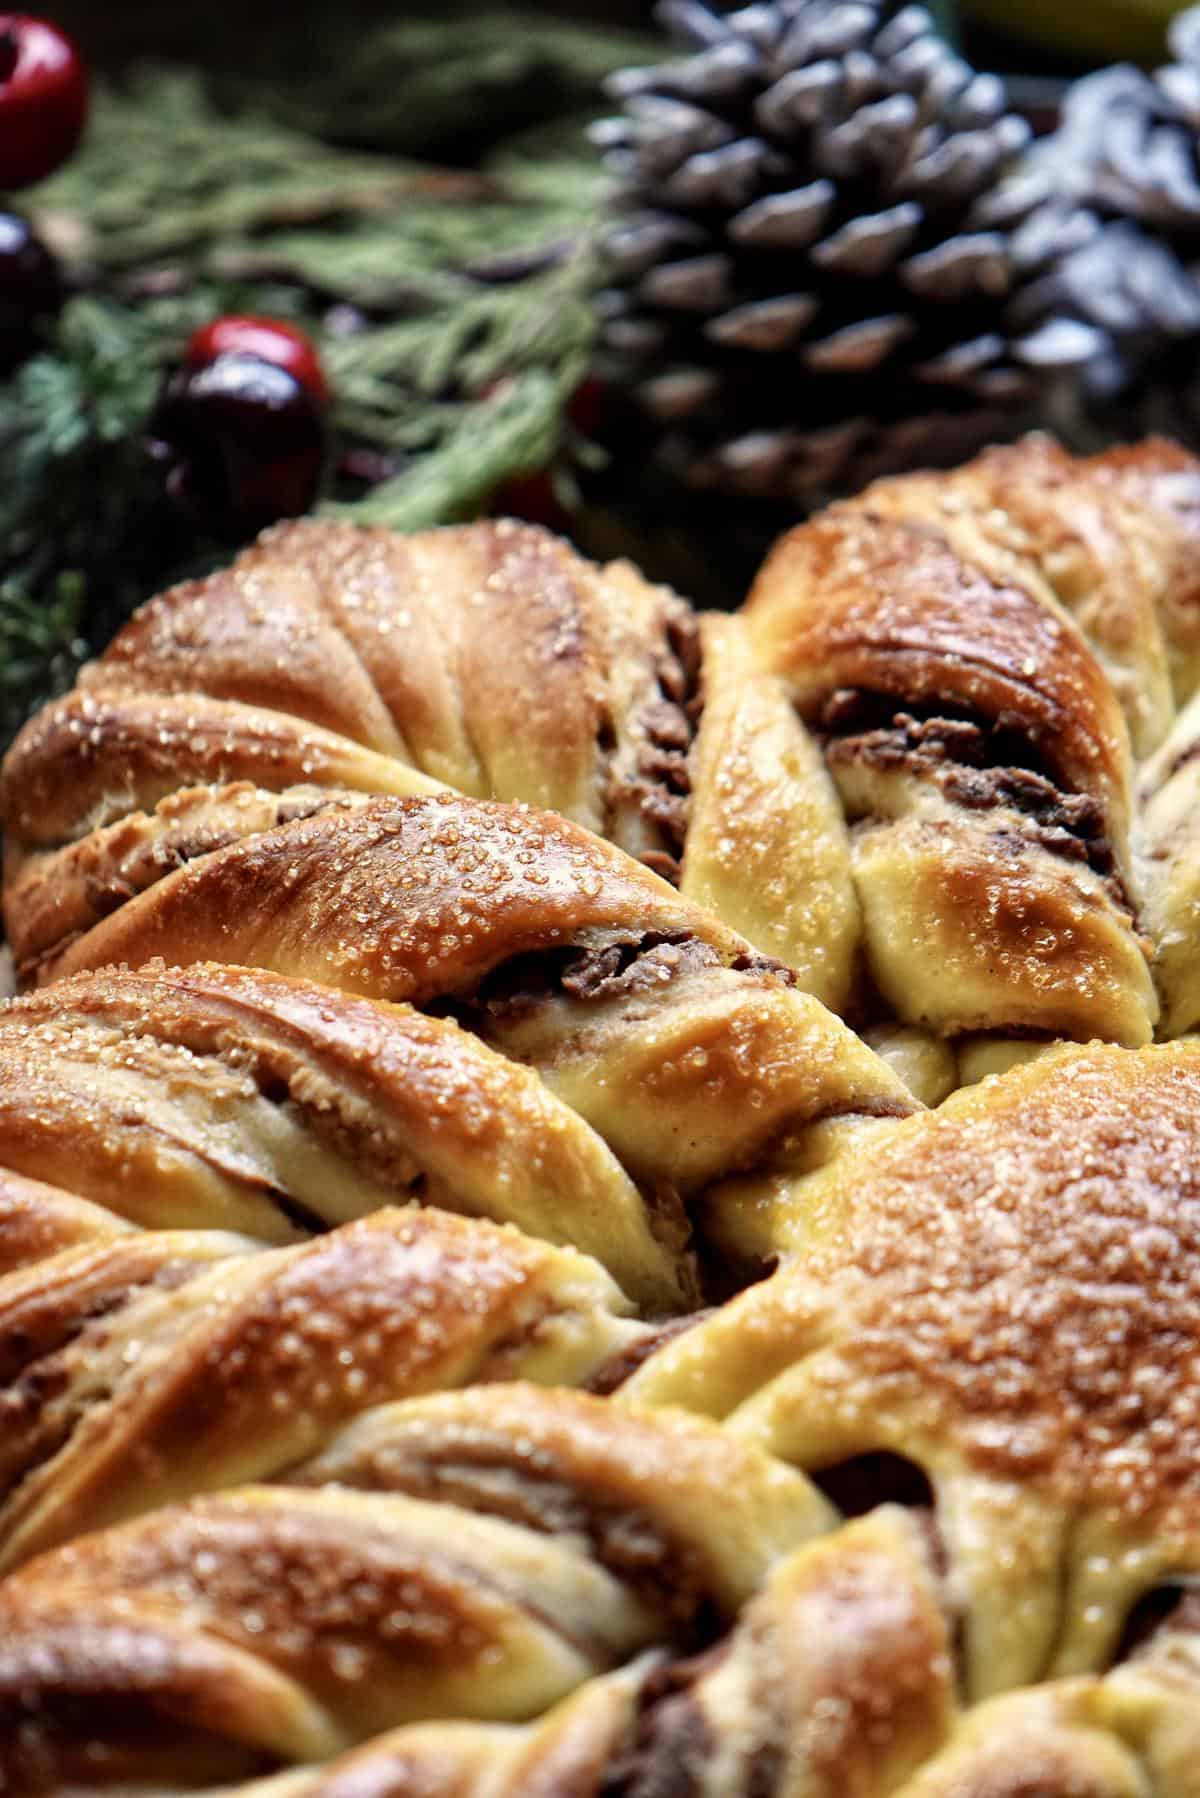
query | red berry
(43,98)
(240,443)
(270,339)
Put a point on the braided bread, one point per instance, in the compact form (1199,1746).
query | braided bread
(220,1098)
(908,769)
(438,944)
(687,1053)
(836,1681)
(488,1557)
(999,1292)
(478,1559)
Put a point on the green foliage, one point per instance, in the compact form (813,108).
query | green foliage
(450,85)
(70,482)
(452,309)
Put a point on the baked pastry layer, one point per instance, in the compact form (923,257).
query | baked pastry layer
(474,1320)
(939,764)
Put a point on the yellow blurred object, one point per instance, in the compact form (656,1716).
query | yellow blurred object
(1104,29)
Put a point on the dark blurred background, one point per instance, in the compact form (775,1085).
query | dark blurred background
(229,33)
(1031,36)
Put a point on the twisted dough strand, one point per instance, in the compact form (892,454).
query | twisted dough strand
(979,656)
(687,1052)
(547,1541)
(221,1097)
(1003,1292)
(493,1560)
(164,1363)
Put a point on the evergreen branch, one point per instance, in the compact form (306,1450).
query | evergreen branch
(461,322)
(165,174)
(515,430)
(41,645)
(455,83)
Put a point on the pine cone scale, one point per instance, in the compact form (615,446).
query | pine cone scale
(867,236)
(1128,149)
(785,221)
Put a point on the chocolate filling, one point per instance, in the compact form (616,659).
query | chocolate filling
(939,730)
(661,785)
(612,1374)
(979,764)
(612,970)
(672,1740)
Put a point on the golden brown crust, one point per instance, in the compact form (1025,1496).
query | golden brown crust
(689,1054)
(491,656)
(975,648)
(387,884)
(94,757)
(984,763)
(837,1667)
(853,601)
(55,896)
(978,930)
(37,1220)
(169,1363)
(338,657)
(637,1486)
(374,1607)
(1074,535)
(250,1101)
(1002,1291)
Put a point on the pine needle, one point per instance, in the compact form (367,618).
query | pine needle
(452,306)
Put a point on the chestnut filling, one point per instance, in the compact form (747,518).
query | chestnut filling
(609,971)
(977,762)
(661,787)
(936,729)
(672,1739)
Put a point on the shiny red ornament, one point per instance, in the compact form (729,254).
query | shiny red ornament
(270,340)
(43,98)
